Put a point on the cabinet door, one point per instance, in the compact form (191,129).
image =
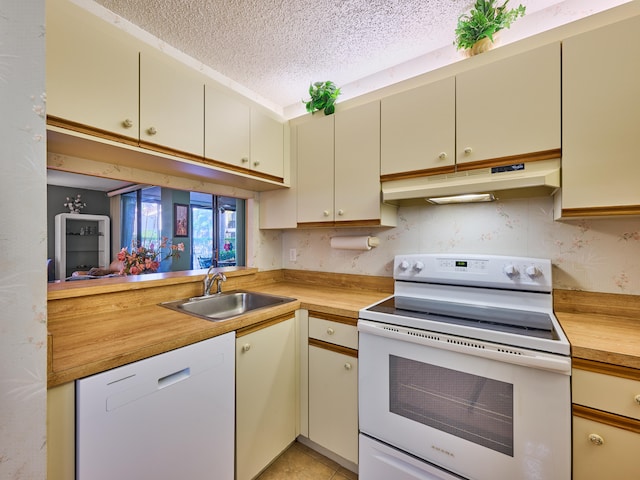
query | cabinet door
(333,401)
(616,457)
(315,169)
(357,163)
(92,72)
(61,428)
(267,145)
(227,132)
(509,107)
(418,129)
(171,105)
(265,396)
(601,114)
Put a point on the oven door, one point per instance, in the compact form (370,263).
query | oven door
(464,405)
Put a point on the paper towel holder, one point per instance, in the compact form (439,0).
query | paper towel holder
(359,242)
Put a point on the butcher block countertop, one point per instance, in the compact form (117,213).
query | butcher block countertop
(96,325)
(601,327)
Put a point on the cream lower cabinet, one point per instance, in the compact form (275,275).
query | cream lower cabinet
(606,421)
(265,395)
(333,385)
(61,453)
(600,118)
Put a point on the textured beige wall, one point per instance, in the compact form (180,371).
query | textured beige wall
(23,330)
(600,255)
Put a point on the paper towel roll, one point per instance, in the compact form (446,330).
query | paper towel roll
(354,243)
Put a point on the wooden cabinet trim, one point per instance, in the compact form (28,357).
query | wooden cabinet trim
(606,368)
(333,348)
(601,211)
(262,325)
(606,418)
(54,121)
(503,161)
(347,223)
(334,318)
(462,167)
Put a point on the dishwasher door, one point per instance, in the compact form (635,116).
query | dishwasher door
(166,417)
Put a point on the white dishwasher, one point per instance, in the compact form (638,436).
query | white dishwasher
(166,417)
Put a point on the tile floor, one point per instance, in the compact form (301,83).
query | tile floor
(299,462)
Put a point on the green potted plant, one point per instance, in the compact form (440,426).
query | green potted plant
(323,97)
(476,29)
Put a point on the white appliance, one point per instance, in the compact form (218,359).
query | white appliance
(465,373)
(166,417)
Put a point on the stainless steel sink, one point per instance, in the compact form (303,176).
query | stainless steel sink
(223,306)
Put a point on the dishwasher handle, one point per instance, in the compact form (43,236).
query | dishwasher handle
(174,378)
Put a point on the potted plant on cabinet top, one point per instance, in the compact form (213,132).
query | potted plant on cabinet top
(476,29)
(323,97)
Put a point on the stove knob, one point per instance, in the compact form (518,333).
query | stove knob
(533,271)
(418,266)
(511,271)
(403,265)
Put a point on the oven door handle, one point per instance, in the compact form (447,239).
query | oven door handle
(477,348)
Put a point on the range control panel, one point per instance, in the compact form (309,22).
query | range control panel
(494,271)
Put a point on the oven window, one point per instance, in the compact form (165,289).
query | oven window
(471,407)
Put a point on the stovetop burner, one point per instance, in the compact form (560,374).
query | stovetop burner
(532,324)
(507,300)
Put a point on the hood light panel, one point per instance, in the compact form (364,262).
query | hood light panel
(468,198)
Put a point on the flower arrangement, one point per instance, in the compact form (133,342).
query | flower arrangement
(75,204)
(145,259)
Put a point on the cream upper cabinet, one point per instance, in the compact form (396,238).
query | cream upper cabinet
(267,145)
(510,107)
(171,105)
(227,134)
(606,421)
(92,72)
(600,118)
(418,129)
(339,169)
(315,169)
(265,396)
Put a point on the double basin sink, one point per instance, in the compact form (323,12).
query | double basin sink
(226,305)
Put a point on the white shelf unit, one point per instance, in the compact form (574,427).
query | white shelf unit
(81,242)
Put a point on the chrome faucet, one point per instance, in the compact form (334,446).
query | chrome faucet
(209,280)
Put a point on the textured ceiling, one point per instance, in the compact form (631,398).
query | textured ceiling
(275,48)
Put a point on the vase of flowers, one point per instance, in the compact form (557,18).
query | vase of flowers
(146,259)
(75,204)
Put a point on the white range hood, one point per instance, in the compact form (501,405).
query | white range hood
(526,180)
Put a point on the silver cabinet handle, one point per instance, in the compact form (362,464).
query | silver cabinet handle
(442,156)
(468,150)
(347,366)
(596,439)
(256,163)
(245,160)
(152,130)
(330,331)
(246,347)
(127,123)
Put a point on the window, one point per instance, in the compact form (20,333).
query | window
(216,234)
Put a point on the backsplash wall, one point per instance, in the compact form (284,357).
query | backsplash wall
(599,255)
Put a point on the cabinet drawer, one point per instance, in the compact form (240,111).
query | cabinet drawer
(333,332)
(616,457)
(606,392)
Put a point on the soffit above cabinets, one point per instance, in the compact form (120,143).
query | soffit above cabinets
(271,50)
